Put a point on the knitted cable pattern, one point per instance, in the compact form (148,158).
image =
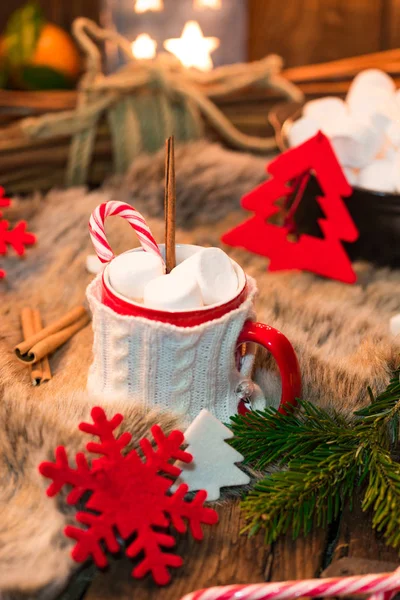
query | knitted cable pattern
(183,369)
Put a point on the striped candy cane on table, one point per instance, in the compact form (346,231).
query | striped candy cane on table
(378,587)
(134,218)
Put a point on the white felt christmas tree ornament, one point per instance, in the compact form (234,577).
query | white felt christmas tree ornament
(213,466)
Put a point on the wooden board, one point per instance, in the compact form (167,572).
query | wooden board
(312,31)
(390,33)
(223,557)
(357,539)
(298,559)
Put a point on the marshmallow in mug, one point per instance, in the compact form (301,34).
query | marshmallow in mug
(205,278)
(214,273)
(170,292)
(130,272)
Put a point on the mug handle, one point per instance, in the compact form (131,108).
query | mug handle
(282,351)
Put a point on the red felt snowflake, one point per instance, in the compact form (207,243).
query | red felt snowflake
(16,238)
(130,497)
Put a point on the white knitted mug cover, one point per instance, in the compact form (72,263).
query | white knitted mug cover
(182,369)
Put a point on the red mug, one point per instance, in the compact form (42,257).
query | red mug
(252,332)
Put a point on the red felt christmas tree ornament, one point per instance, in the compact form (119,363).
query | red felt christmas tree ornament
(290,173)
(16,238)
(130,497)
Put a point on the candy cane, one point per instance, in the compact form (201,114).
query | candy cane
(376,586)
(134,218)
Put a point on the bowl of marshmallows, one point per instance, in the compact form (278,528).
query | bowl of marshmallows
(364,130)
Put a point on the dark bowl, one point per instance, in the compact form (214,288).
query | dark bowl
(376,214)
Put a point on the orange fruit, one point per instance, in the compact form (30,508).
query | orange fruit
(55,49)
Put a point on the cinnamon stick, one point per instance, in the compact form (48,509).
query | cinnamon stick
(51,337)
(170,205)
(44,363)
(28,329)
(49,344)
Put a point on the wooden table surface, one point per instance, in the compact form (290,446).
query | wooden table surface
(226,557)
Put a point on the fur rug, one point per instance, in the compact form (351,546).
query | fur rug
(340,333)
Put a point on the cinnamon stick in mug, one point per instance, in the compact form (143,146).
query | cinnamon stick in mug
(170,205)
(52,337)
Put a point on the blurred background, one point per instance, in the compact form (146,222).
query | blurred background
(255,103)
(301,31)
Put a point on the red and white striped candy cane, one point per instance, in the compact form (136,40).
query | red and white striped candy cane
(382,585)
(136,220)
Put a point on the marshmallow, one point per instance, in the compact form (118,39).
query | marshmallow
(130,272)
(387,151)
(363,102)
(393,133)
(351,175)
(214,273)
(374,78)
(339,126)
(173,292)
(371,92)
(396,169)
(379,176)
(93,264)
(355,143)
(302,130)
(325,109)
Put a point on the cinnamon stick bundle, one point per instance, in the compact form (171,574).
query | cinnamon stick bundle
(31,325)
(44,342)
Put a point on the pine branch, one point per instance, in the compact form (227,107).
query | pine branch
(327,458)
(311,493)
(385,402)
(384,411)
(383,495)
(264,437)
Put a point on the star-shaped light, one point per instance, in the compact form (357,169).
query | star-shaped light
(192,48)
(214,4)
(144,47)
(142,6)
